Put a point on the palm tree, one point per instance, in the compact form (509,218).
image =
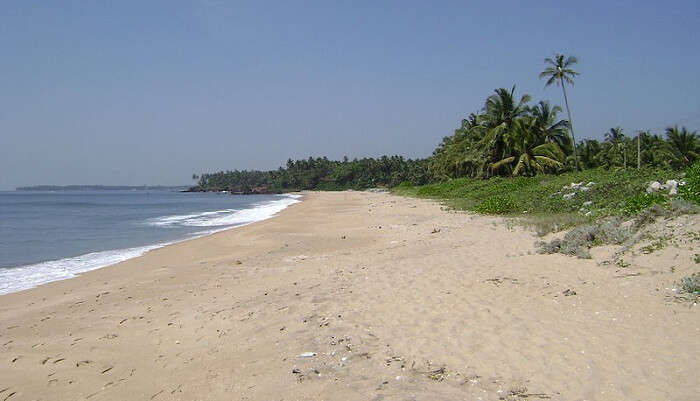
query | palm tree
(531,153)
(547,126)
(501,110)
(559,72)
(617,140)
(683,145)
(590,150)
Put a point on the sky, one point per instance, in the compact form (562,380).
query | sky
(150,92)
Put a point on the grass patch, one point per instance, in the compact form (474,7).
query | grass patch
(691,190)
(497,205)
(656,245)
(543,224)
(637,203)
(542,194)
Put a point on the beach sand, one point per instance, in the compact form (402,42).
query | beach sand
(397,298)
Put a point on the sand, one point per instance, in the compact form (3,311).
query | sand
(396,299)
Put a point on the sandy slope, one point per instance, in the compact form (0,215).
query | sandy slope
(399,300)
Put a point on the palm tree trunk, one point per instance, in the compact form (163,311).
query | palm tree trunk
(639,151)
(571,123)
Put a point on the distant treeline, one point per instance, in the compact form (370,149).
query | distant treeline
(508,136)
(100,188)
(320,174)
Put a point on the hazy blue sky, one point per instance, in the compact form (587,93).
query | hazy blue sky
(148,92)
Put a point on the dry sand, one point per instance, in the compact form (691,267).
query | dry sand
(399,300)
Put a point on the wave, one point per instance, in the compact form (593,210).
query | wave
(24,277)
(227,217)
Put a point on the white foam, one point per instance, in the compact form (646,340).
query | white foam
(227,217)
(24,277)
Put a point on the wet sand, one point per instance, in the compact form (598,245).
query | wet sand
(394,298)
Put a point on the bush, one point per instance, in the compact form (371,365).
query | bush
(649,215)
(691,190)
(690,285)
(544,224)
(678,207)
(497,205)
(637,203)
(579,240)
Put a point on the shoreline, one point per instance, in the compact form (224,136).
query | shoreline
(355,296)
(100,259)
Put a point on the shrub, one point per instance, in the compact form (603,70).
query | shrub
(648,216)
(690,285)
(497,205)
(679,207)
(691,190)
(544,224)
(637,203)
(579,240)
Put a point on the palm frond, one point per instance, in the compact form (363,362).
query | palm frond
(501,163)
(522,164)
(546,161)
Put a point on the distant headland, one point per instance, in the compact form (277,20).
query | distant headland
(101,188)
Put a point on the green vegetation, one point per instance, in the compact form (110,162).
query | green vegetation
(497,205)
(690,285)
(691,190)
(611,192)
(559,72)
(319,174)
(637,203)
(579,240)
(510,157)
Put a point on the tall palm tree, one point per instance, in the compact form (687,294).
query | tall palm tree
(683,144)
(559,72)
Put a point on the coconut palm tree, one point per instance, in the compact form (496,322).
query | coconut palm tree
(547,126)
(618,142)
(501,110)
(683,145)
(590,151)
(531,154)
(559,72)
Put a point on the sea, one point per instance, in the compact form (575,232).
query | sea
(56,235)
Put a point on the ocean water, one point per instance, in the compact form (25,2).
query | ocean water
(49,236)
